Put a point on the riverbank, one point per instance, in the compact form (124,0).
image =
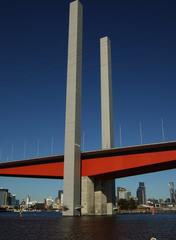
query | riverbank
(148,211)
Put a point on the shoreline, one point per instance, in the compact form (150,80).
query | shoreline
(156,211)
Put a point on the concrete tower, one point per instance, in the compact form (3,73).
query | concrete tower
(106,93)
(72,162)
(105,190)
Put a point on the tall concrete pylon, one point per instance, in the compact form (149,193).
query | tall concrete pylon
(72,159)
(106,93)
(105,189)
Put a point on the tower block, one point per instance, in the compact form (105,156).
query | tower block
(72,161)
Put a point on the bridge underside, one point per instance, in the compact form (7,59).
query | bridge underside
(103,164)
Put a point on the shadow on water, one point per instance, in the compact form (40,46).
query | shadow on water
(52,226)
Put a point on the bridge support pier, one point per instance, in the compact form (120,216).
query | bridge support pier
(100,198)
(97,196)
(106,189)
(87,196)
(104,197)
(102,192)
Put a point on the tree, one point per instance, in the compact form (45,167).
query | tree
(127,204)
(132,204)
(123,204)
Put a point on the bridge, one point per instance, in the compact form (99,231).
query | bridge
(102,164)
(89,176)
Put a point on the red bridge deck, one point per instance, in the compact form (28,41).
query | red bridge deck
(112,163)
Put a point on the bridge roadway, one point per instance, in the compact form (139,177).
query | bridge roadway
(104,164)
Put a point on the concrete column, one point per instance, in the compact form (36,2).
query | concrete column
(105,190)
(87,196)
(72,162)
(106,93)
(100,198)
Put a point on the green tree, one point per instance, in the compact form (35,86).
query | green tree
(127,204)
(123,204)
(132,204)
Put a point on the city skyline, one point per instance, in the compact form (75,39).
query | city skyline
(121,188)
(33,115)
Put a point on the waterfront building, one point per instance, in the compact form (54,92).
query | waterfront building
(128,195)
(29,202)
(17,203)
(3,197)
(49,202)
(122,193)
(58,204)
(172,192)
(40,206)
(60,196)
(11,199)
(167,200)
(161,201)
(141,193)
(7,198)
(23,203)
(28,199)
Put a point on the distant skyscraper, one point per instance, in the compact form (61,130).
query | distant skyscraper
(3,197)
(172,192)
(49,201)
(11,199)
(60,196)
(128,195)
(141,194)
(60,192)
(28,200)
(122,193)
(17,202)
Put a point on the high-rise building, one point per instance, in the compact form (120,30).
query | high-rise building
(11,199)
(141,193)
(128,195)
(3,197)
(28,200)
(49,202)
(172,192)
(60,196)
(122,193)
(17,203)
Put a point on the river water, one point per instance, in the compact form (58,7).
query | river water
(52,226)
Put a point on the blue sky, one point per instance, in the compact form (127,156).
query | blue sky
(33,47)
